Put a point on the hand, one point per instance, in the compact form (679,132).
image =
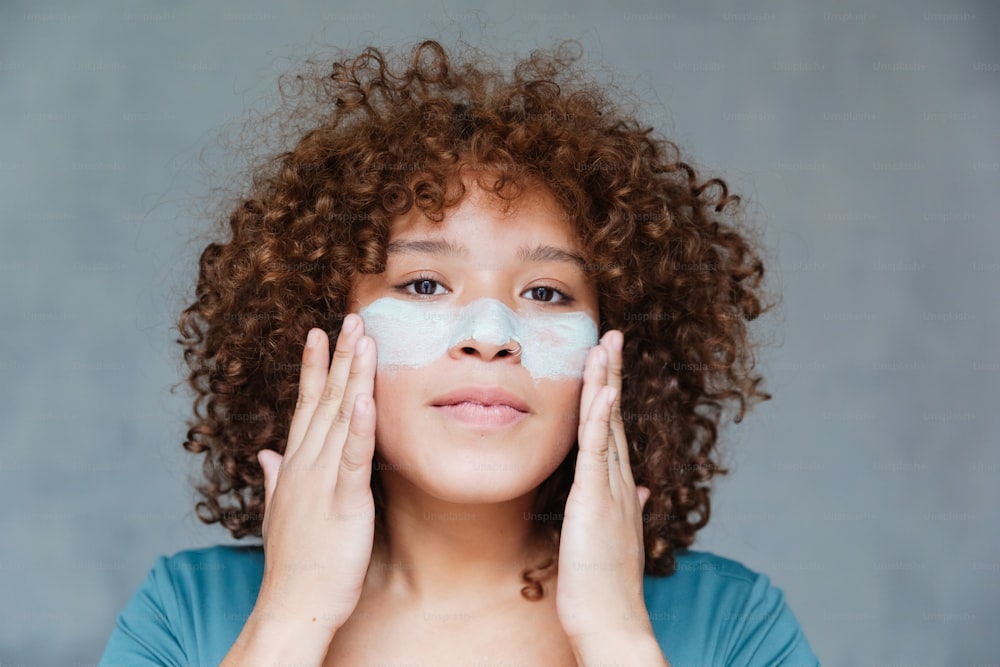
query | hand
(601,555)
(319,515)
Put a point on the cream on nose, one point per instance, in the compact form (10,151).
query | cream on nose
(486,321)
(414,334)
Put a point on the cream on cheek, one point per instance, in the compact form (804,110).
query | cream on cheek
(414,334)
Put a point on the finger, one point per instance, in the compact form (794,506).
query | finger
(355,469)
(613,341)
(643,492)
(332,393)
(270,463)
(594,377)
(592,460)
(360,382)
(312,376)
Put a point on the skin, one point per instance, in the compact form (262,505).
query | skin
(456,495)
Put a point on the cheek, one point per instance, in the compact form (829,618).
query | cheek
(406,335)
(561,408)
(397,410)
(394,390)
(555,347)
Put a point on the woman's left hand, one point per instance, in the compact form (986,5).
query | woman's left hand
(599,596)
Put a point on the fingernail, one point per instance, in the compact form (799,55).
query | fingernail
(350,324)
(312,340)
(362,345)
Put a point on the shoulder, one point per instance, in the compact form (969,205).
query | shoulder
(190,608)
(706,573)
(211,570)
(715,609)
(703,581)
(195,563)
(224,579)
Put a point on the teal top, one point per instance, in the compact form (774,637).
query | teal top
(711,611)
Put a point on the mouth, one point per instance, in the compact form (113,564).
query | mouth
(482,407)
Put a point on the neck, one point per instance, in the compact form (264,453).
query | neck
(437,550)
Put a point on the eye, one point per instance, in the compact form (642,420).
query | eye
(547,294)
(422,286)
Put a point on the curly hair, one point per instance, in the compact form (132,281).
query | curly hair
(376,133)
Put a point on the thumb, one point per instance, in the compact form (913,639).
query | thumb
(643,493)
(270,461)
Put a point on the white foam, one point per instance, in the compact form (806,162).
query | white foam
(414,334)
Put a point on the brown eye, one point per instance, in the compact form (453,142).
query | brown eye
(422,287)
(546,294)
(542,293)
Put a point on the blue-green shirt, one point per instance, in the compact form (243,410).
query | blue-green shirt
(711,611)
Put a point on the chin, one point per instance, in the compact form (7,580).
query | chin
(473,480)
(496,481)
(474,489)
(475,468)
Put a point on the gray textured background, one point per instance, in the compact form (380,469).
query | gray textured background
(865,135)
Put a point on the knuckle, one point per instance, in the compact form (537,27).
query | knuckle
(359,429)
(332,393)
(343,353)
(593,462)
(343,416)
(598,418)
(351,462)
(305,399)
(360,368)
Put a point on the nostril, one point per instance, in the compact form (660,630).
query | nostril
(468,350)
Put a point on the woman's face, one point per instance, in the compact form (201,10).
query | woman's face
(482,322)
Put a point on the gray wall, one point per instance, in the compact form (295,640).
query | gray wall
(866,137)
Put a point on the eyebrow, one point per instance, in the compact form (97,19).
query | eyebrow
(540,253)
(549,253)
(427,247)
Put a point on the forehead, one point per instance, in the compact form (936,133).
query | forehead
(483,218)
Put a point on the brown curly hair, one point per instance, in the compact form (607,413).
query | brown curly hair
(376,133)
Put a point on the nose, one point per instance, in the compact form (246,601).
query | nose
(486,351)
(487,329)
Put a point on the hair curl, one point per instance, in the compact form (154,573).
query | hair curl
(375,135)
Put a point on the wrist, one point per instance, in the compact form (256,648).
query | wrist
(638,649)
(270,638)
(279,622)
(279,628)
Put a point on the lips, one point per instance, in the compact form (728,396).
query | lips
(484,396)
(482,407)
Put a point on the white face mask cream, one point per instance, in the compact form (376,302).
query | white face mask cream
(414,334)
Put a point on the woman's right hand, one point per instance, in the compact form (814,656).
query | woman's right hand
(319,515)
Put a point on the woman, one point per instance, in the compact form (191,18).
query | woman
(476,477)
